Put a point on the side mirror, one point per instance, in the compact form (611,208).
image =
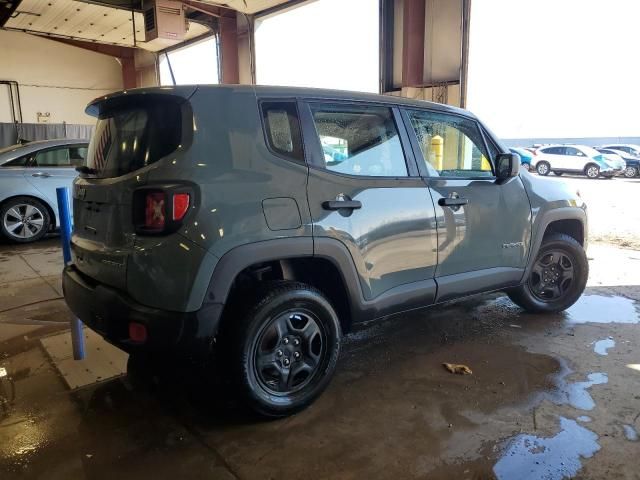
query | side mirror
(507,165)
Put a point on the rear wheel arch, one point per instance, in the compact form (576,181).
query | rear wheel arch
(243,269)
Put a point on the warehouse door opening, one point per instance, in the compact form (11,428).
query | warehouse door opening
(196,63)
(323,44)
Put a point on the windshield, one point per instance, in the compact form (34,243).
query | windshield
(7,150)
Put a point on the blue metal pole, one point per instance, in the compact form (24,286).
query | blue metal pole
(77,338)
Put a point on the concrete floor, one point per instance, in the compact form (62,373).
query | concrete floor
(550,396)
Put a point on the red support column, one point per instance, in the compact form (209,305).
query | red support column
(413,43)
(129,76)
(229,49)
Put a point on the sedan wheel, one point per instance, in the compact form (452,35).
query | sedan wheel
(630,172)
(24,220)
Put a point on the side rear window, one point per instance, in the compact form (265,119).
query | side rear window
(282,129)
(553,150)
(359,140)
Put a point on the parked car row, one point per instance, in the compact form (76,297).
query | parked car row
(606,161)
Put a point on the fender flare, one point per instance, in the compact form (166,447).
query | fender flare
(548,217)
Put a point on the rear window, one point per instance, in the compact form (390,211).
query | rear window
(127,139)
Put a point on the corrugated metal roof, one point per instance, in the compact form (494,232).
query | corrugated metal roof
(88,22)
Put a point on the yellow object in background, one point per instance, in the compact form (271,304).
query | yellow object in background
(437,148)
(485,166)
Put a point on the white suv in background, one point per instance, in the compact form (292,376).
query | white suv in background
(579,159)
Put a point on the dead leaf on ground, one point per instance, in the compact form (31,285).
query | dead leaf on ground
(458,368)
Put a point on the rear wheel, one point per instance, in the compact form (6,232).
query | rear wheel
(630,172)
(24,220)
(282,353)
(543,168)
(592,171)
(558,276)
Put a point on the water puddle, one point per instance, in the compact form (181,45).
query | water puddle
(557,457)
(576,394)
(584,419)
(601,346)
(630,433)
(601,309)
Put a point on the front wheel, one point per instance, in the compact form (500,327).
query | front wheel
(557,278)
(283,351)
(543,168)
(592,171)
(630,172)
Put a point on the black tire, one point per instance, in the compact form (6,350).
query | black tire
(143,370)
(558,174)
(630,172)
(592,171)
(30,209)
(536,298)
(543,168)
(271,331)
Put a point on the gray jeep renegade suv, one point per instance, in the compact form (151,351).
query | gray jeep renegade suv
(264,222)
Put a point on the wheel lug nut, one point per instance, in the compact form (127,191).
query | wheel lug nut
(285,341)
(286,362)
(279,353)
(296,355)
(296,342)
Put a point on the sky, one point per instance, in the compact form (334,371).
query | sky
(556,68)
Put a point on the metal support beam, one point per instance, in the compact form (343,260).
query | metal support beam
(464,68)
(413,43)
(111,50)
(229,49)
(124,54)
(129,75)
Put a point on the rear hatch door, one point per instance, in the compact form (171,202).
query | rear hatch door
(133,133)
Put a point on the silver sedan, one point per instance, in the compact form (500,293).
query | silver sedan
(29,176)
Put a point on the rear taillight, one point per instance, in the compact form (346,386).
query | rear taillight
(159,211)
(180,205)
(154,211)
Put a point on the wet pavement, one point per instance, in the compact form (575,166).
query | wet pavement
(554,396)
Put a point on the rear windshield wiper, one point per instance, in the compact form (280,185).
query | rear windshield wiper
(86,170)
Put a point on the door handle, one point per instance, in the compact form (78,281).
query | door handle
(452,202)
(41,174)
(340,204)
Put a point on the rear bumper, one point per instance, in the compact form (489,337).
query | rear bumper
(108,312)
